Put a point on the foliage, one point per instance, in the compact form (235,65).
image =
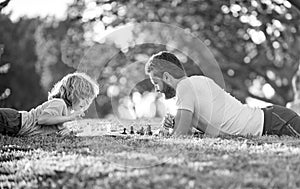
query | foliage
(22,79)
(3,70)
(256,43)
(253,41)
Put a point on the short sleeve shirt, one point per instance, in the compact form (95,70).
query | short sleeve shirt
(54,107)
(215,111)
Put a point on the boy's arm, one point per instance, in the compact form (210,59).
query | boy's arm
(48,119)
(183,123)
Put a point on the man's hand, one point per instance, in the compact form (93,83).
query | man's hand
(168,121)
(162,132)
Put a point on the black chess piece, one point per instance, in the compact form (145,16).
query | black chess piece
(124,132)
(149,132)
(131,130)
(142,132)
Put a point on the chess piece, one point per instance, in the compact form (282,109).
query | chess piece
(131,130)
(163,132)
(124,132)
(149,132)
(142,131)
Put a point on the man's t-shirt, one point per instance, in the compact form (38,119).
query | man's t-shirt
(215,111)
(30,127)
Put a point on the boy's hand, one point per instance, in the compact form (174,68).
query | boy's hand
(76,115)
(168,121)
(64,132)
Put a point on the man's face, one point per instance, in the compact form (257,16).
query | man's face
(162,87)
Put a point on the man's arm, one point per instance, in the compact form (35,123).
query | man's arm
(183,123)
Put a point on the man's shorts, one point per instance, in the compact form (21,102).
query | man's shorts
(10,121)
(279,120)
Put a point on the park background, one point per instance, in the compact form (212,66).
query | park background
(256,44)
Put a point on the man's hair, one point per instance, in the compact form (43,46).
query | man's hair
(164,62)
(296,82)
(73,87)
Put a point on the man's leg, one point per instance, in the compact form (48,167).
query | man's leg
(10,121)
(285,121)
(293,126)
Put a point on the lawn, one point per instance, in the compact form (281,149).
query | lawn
(94,160)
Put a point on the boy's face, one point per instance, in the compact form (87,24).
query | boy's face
(82,105)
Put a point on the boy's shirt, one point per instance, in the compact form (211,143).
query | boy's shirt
(215,111)
(30,127)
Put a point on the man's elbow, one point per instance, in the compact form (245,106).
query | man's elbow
(182,134)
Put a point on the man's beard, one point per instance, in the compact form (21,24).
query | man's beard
(168,91)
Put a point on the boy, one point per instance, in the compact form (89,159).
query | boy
(67,101)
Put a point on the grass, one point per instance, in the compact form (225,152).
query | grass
(148,162)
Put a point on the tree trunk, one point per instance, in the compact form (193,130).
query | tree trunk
(295,3)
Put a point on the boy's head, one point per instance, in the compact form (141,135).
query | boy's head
(162,68)
(76,89)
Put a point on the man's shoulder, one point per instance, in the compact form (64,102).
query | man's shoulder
(193,80)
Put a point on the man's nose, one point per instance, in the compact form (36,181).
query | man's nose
(157,89)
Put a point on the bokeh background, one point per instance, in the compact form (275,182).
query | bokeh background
(255,42)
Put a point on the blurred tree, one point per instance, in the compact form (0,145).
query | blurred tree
(22,79)
(256,43)
(4,4)
(296,3)
(3,70)
(252,40)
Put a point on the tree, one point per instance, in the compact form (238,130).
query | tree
(3,70)
(253,41)
(22,79)
(256,43)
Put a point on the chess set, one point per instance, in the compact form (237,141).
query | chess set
(141,131)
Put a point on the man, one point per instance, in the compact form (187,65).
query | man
(203,105)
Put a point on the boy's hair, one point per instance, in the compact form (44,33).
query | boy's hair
(73,87)
(296,82)
(164,62)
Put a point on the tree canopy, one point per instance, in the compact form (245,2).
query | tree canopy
(255,43)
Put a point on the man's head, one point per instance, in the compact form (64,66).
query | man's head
(164,69)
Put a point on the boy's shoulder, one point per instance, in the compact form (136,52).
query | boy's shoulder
(55,101)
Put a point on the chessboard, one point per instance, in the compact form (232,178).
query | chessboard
(105,127)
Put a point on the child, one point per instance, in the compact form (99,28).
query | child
(67,101)
(295,105)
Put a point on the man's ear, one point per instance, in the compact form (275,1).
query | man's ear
(167,76)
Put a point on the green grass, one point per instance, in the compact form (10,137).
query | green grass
(148,161)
